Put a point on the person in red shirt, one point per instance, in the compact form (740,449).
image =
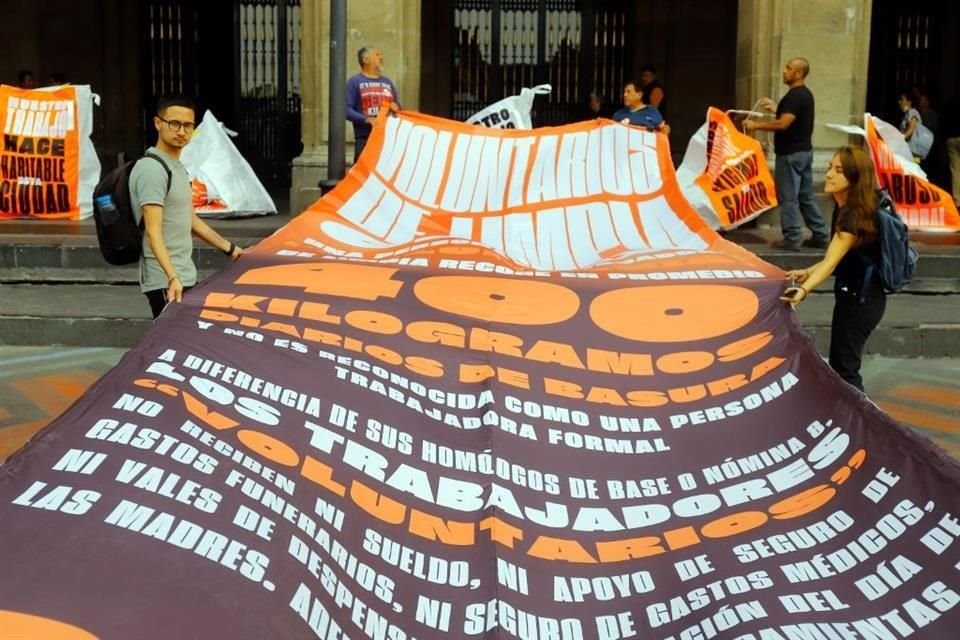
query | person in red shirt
(366,93)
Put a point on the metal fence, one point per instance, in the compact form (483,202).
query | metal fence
(501,46)
(240,58)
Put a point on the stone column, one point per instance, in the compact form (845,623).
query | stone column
(394,28)
(311,166)
(834,35)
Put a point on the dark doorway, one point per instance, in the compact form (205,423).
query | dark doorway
(495,49)
(499,47)
(241,60)
(916,44)
(905,52)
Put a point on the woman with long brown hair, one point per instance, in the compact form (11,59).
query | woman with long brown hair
(859,298)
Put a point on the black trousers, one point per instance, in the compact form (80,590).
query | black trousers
(853,322)
(158,300)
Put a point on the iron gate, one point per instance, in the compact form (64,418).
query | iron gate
(905,52)
(268,75)
(170,54)
(239,58)
(501,46)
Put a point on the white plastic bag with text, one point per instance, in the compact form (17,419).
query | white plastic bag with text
(510,113)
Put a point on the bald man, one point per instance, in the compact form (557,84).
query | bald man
(793,145)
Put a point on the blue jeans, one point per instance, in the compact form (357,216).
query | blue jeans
(793,173)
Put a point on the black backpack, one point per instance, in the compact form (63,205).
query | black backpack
(118,234)
(898,260)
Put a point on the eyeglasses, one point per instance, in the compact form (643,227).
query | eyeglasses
(176,125)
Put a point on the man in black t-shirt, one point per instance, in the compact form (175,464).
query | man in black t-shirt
(792,143)
(653,92)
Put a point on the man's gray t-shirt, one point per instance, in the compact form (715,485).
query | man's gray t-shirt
(148,185)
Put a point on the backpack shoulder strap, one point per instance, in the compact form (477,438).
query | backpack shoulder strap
(885,203)
(163,163)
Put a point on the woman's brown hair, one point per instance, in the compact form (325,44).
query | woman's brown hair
(859,215)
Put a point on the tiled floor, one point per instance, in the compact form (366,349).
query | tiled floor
(37,384)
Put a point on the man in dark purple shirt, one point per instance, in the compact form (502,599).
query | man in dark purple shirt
(366,93)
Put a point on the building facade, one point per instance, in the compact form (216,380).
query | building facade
(450,57)
(262,66)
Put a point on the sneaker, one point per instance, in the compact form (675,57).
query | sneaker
(816,244)
(786,246)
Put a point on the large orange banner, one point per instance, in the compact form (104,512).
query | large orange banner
(498,384)
(40,160)
(921,204)
(724,174)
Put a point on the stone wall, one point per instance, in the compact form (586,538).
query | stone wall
(834,35)
(394,28)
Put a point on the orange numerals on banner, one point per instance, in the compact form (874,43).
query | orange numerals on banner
(672,313)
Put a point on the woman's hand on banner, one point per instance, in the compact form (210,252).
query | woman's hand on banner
(175,290)
(800,275)
(794,295)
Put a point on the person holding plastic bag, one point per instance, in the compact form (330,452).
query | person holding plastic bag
(859,297)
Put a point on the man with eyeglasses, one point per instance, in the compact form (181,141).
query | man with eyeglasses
(162,198)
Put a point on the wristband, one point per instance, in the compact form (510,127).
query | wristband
(230,251)
(174,278)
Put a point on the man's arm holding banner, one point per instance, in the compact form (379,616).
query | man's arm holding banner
(780,124)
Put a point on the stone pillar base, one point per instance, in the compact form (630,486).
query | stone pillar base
(308,171)
(392,26)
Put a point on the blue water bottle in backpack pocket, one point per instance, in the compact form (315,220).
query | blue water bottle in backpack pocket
(107,209)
